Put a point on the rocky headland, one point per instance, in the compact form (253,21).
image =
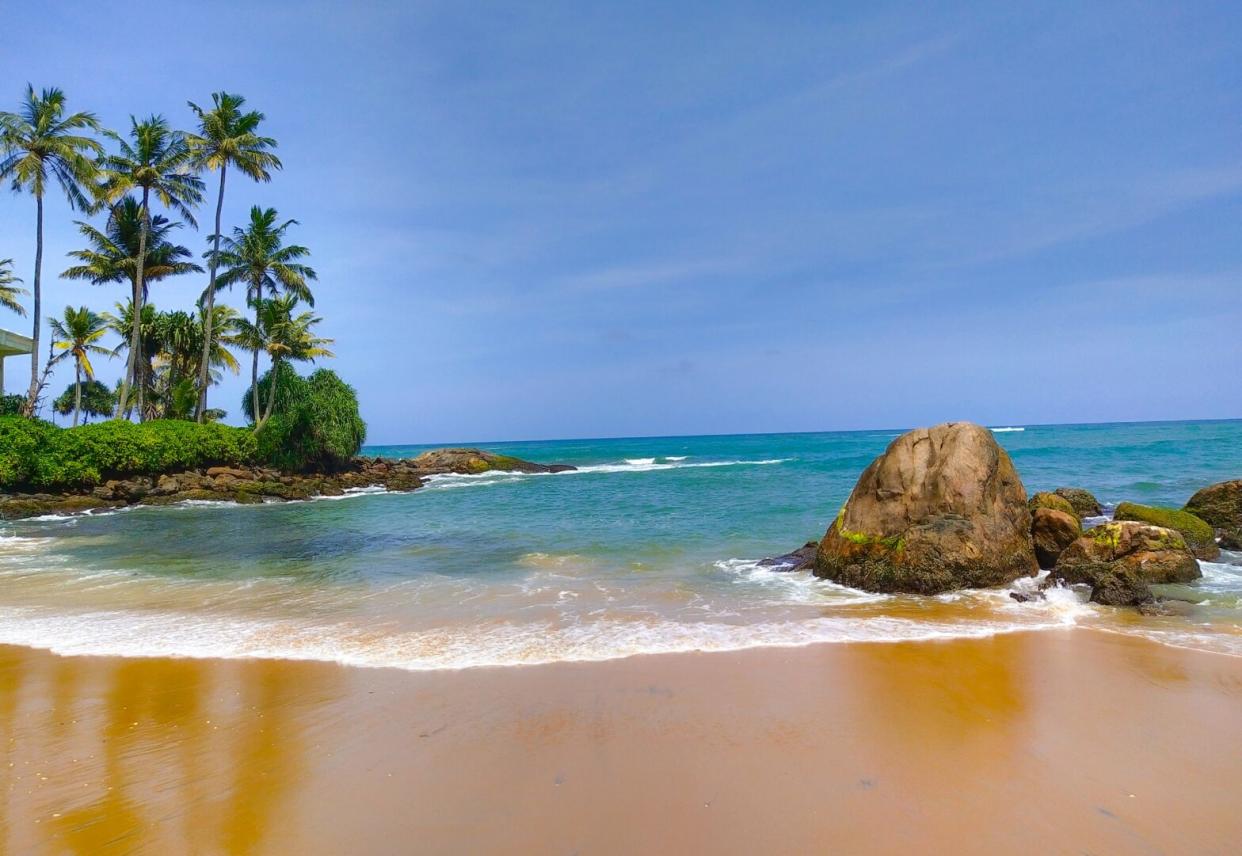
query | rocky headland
(246,485)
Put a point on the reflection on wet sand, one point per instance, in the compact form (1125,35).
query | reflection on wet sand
(1073,741)
(145,755)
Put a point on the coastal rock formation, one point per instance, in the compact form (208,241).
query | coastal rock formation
(247,485)
(1084,502)
(470,461)
(1220,505)
(941,509)
(1200,537)
(1052,531)
(802,559)
(1053,501)
(1115,558)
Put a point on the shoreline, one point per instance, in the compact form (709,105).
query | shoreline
(1050,739)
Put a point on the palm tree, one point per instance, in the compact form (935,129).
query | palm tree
(226,136)
(158,161)
(9,289)
(40,142)
(256,256)
(112,254)
(76,335)
(285,337)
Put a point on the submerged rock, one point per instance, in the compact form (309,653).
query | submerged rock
(1119,559)
(1220,505)
(469,461)
(1084,502)
(1199,535)
(1051,532)
(943,508)
(802,559)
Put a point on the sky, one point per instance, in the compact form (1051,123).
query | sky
(576,219)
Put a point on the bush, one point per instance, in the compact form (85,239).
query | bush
(315,424)
(38,455)
(11,405)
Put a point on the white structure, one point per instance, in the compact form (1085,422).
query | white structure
(11,345)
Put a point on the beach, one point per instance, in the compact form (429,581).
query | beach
(1051,742)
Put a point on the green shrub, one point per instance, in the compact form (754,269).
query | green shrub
(315,424)
(11,405)
(38,455)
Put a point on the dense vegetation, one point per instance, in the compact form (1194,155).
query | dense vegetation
(315,424)
(171,357)
(38,455)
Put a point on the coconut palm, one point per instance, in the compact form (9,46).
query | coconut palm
(8,288)
(257,258)
(38,144)
(284,337)
(77,335)
(112,254)
(156,161)
(226,137)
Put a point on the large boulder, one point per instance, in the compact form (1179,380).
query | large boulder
(941,509)
(1147,553)
(1200,537)
(471,461)
(1084,502)
(1051,532)
(1220,505)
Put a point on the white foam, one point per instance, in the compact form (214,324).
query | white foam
(144,634)
(1004,430)
(637,462)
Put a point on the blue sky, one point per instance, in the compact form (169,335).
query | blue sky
(580,219)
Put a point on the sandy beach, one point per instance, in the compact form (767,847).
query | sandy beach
(1053,742)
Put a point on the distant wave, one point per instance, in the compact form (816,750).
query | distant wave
(445,481)
(1003,430)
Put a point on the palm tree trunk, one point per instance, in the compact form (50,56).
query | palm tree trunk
(271,394)
(132,372)
(254,367)
(210,304)
(77,395)
(32,395)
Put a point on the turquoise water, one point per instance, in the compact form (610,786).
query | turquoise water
(650,547)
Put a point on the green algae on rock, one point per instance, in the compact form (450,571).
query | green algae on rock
(1054,501)
(1084,502)
(1200,537)
(1220,505)
(1113,556)
(943,508)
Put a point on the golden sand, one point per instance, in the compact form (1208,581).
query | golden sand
(1054,742)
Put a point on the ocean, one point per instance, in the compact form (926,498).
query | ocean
(651,546)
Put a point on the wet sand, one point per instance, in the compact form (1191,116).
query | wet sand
(1057,742)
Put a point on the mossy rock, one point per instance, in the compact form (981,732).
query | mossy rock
(1200,537)
(1220,505)
(1054,501)
(1084,502)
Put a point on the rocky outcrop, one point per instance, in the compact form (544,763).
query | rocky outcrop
(1053,501)
(1051,532)
(246,485)
(802,559)
(1199,535)
(1220,505)
(1118,557)
(472,461)
(1084,502)
(941,509)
